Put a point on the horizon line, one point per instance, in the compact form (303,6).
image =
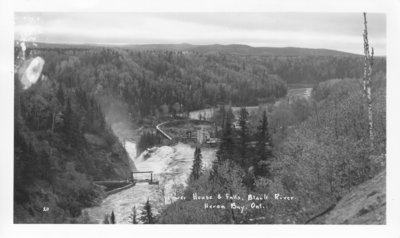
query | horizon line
(185,43)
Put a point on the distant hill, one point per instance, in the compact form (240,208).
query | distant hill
(235,49)
(269,51)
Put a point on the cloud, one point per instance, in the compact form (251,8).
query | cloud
(340,31)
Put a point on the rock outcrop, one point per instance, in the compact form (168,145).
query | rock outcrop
(366,204)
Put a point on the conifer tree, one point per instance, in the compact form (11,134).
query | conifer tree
(133,215)
(263,149)
(229,115)
(243,138)
(112,218)
(147,215)
(197,165)
(226,147)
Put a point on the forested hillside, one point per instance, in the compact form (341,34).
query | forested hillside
(156,83)
(63,139)
(61,144)
(163,82)
(311,153)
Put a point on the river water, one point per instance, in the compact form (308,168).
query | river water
(171,166)
(293,93)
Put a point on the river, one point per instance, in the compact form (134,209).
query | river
(293,93)
(171,166)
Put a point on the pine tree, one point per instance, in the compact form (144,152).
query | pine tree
(226,147)
(147,215)
(197,165)
(243,138)
(112,218)
(264,153)
(133,215)
(229,115)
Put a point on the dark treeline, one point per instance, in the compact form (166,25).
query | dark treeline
(156,83)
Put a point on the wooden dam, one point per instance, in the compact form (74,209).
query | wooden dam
(114,186)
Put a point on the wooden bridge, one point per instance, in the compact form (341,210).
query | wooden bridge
(150,181)
(114,186)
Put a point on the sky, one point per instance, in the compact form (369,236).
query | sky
(337,31)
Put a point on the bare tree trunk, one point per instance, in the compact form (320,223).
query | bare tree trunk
(367,80)
(53,121)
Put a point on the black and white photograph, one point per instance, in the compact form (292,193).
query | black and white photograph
(199,118)
(202,132)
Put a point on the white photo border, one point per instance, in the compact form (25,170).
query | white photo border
(7,9)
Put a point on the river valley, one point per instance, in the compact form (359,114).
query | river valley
(171,166)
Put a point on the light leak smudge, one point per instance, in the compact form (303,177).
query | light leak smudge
(30,71)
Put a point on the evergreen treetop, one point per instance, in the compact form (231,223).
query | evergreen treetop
(133,216)
(146,214)
(264,152)
(197,165)
(112,218)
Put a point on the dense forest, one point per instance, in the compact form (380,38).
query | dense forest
(158,83)
(61,144)
(311,153)
(63,140)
